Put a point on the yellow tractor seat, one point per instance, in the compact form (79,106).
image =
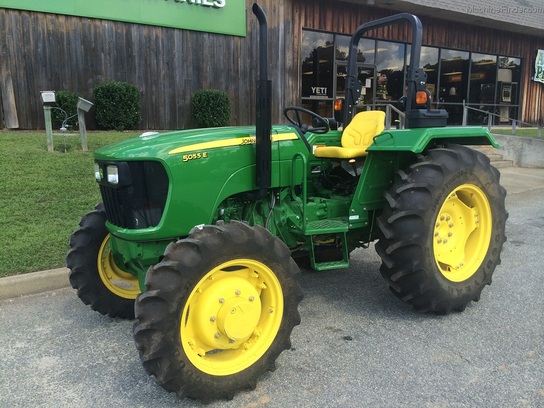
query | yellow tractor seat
(356,137)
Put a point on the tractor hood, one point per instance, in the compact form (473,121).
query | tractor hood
(193,170)
(161,145)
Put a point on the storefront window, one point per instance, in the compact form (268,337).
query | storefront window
(317,65)
(429,63)
(489,83)
(454,83)
(508,80)
(324,68)
(365,51)
(390,70)
(366,76)
(483,76)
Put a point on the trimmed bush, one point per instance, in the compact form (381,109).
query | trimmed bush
(67,101)
(117,106)
(211,108)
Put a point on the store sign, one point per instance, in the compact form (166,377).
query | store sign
(319,92)
(214,16)
(539,66)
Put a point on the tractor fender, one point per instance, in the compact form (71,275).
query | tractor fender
(416,140)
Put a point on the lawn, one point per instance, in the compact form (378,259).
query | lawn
(528,132)
(43,196)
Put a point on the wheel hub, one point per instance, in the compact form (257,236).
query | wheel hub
(238,318)
(462,232)
(117,281)
(231,317)
(228,311)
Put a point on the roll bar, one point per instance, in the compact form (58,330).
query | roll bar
(416,77)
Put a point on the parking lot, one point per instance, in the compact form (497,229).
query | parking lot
(357,345)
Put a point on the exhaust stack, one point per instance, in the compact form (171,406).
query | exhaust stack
(263,120)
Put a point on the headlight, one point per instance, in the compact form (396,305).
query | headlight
(97,172)
(113,174)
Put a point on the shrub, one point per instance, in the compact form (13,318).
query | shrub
(117,106)
(211,108)
(67,101)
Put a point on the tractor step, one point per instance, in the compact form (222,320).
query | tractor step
(329,229)
(327,266)
(328,226)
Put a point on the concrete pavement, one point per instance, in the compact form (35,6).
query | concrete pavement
(357,345)
(515,179)
(519,179)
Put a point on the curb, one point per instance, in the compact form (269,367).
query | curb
(32,283)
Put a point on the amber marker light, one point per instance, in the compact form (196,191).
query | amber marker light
(421,97)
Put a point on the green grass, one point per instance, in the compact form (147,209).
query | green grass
(528,132)
(44,195)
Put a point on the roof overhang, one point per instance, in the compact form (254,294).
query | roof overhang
(528,20)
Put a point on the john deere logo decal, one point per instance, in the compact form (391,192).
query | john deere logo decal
(539,66)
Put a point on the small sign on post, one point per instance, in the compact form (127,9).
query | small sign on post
(83,106)
(48,99)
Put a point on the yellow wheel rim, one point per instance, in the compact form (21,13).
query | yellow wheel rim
(118,282)
(462,233)
(231,317)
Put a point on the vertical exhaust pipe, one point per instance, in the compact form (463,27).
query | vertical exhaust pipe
(263,120)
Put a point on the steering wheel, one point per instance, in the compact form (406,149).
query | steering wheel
(320,125)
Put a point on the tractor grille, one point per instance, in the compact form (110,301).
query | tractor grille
(138,200)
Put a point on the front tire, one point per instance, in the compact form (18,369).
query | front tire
(442,229)
(99,282)
(218,311)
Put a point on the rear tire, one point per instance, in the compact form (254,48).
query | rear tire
(442,229)
(218,311)
(93,273)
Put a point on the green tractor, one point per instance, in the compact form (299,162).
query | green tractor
(199,230)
